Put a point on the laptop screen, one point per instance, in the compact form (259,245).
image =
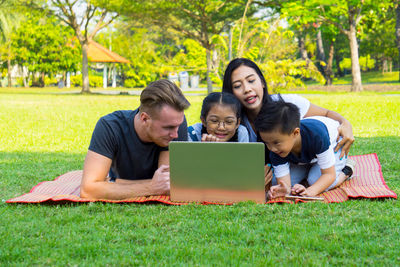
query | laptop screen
(217,171)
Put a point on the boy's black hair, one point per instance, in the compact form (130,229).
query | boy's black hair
(221,98)
(278,115)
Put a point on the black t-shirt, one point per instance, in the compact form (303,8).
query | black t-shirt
(115,137)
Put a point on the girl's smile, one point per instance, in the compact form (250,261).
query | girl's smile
(221,122)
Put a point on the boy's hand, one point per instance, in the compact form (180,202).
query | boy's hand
(298,189)
(278,191)
(209,138)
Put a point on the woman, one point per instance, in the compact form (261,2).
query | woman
(243,78)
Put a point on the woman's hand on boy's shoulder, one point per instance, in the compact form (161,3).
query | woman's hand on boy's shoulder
(209,138)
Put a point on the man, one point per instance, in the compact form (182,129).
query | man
(128,153)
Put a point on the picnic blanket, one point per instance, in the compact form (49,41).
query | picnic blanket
(367,182)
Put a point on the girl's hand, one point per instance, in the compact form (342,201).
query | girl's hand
(298,189)
(346,132)
(209,138)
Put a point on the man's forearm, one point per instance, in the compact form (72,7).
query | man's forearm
(121,189)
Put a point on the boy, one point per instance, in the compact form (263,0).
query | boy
(301,151)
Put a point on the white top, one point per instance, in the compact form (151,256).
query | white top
(325,159)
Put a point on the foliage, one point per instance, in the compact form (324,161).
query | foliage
(197,20)
(44,45)
(138,45)
(191,58)
(288,74)
(366,63)
(94,81)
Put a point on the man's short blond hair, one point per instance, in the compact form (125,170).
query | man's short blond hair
(160,93)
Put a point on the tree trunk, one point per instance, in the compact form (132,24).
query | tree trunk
(9,71)
(328,70)
(209,83)
(302,47)
(398,31)
(384,66)
(85,68)
(9,65)
(23,77)
(41,79)
(321,54)
(356,85)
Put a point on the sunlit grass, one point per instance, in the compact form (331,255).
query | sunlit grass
(44,135)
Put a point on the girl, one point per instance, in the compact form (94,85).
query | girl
(220,120)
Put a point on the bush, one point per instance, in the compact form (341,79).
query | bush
(76,80)
(130,83)
(50,81)
(94,81)
(366,63)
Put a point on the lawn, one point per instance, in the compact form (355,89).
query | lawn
(373,81)
(44,135)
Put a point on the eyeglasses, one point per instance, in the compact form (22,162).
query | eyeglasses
(226,124)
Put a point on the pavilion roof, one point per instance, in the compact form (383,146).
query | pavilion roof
(98,53)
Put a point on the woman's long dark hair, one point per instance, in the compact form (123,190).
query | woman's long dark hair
(236,63)
(221,98)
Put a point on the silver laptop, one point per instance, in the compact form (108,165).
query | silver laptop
(217,172)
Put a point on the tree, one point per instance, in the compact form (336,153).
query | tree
(398,28)
(43,45)
(9,20)
(80,15)
(343,14)
(199,20)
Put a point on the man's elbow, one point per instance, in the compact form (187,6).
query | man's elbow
(86,191)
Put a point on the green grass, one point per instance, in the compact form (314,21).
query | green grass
(372,77)
(44,135)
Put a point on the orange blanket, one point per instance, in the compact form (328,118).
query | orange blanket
(367,182)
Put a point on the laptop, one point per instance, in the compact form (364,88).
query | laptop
(222,172)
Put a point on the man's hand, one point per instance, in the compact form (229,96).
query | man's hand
(209,138)
(160,182)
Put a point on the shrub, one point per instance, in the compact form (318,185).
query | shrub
(94,81)
(50,81)
(76,80)
(130,83)
(366,63)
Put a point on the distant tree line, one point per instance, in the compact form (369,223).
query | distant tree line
(291,40)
